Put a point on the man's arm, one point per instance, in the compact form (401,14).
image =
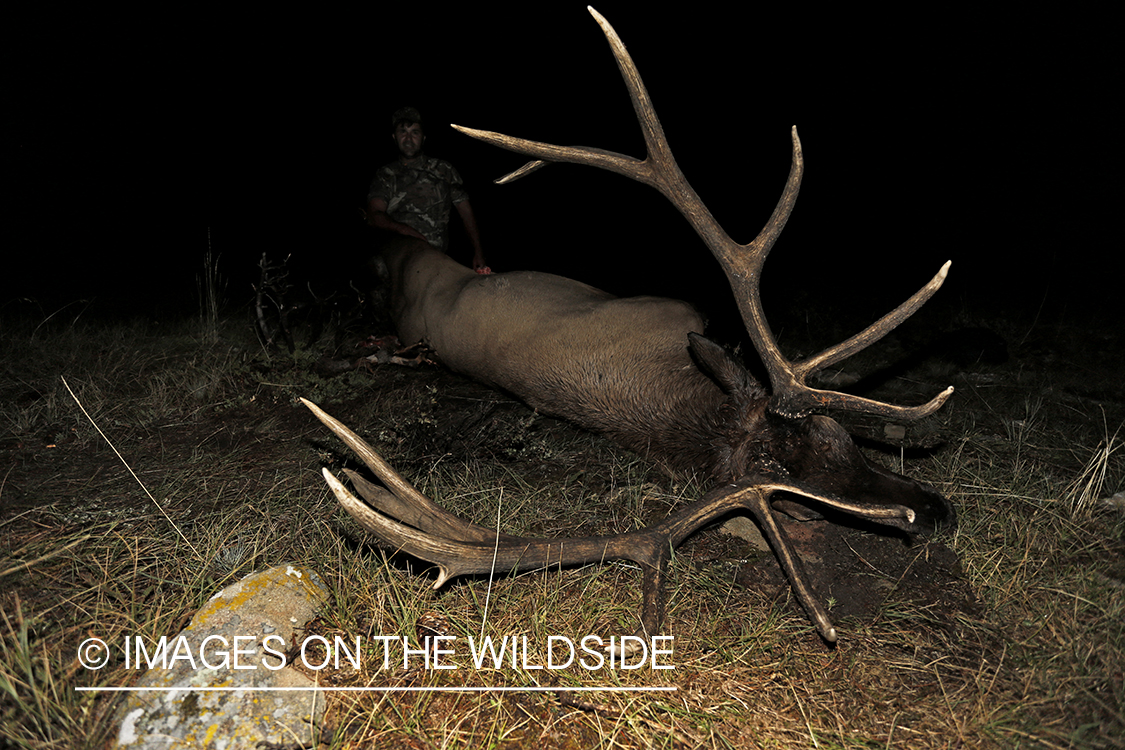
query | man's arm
(377,217)
(469,219)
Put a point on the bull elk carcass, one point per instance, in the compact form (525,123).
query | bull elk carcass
(639,371)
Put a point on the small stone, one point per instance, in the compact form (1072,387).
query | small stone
(264,611)
(746,530)
(894,432)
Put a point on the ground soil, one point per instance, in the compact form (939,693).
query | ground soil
(1050,382)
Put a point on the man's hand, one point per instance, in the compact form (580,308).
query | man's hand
(378,217)
(479,265)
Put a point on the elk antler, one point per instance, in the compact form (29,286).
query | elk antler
(741,263)
(457,547)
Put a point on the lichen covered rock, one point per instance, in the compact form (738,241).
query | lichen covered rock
(225,681)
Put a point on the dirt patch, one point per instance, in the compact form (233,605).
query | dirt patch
(859,571)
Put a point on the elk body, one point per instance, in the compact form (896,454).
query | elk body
(639,371)
(621,367)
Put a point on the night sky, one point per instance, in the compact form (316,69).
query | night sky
(928,135)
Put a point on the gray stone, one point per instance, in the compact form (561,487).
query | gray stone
(746,530)
(264,611)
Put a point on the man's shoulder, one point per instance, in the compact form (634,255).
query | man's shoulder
(423,163)
(435,163)
(439,167)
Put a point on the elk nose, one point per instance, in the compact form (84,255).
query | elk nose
(937,515)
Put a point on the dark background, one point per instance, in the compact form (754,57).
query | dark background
(135,143)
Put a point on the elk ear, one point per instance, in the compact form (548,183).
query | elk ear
(714,360)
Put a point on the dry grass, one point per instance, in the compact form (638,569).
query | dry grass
(211,427)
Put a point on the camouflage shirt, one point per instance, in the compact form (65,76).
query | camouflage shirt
(420,195)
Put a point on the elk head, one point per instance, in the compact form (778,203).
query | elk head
(760,444)
(809,449)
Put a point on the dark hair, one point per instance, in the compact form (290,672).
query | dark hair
(405,115)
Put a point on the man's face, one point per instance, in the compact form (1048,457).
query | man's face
(408,137)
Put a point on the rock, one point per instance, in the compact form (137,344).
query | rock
(264,611)
(895,432)
(745,529)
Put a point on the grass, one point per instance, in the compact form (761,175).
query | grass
(209,424)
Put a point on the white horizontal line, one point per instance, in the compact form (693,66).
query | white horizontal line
(666,689)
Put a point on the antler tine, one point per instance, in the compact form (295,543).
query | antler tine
(367,454)
(423,519)
(404,502)
(429,518)
(449,555)
(792,397)
(659,169)
(753,494)
(742,264)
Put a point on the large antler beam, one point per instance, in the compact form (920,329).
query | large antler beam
(742,264)
(457,547)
